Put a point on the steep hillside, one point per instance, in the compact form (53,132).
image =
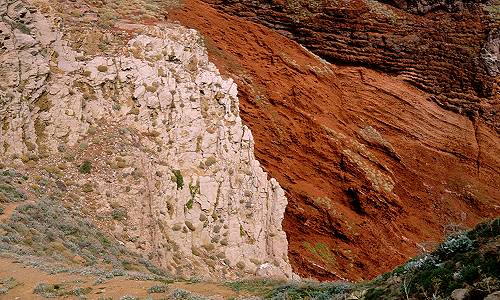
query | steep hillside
(115,113)
(447,48)
(372,168)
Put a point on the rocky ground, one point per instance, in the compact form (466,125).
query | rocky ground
(145,138)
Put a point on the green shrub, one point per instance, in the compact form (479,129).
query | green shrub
(178,179)
(454,244)
(158,289)
(308,290)
(47,290)
(179,294)
(469,273)
(7,284)
(85,167)
(485,230)
(189,204)
(119,213)
(87,187)
(375,294)
(193,190)
(8,193)
(59,290)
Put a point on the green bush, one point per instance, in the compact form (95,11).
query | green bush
(158,289)
(189,204)
(59,290)
(178,179)
(119,213)
(469,273)
(454,244)
(308,290)
(85,167)
(9,193)
(179,294)
(7,284)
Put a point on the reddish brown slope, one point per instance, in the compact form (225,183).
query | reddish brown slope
(359,199)
(449,48)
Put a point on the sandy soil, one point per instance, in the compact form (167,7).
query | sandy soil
(28,278)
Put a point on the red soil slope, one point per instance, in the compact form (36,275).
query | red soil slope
(449,48)
(371,166)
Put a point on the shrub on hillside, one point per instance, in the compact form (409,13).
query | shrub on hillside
(85,167)
(49,230)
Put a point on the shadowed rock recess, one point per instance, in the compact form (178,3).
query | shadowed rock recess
(151,137)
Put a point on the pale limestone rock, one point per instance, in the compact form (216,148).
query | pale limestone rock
(493,296)
(459,294)
(166,136)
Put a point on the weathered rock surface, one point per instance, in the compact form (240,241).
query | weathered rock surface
(373,170)
(452,51)
(148,142)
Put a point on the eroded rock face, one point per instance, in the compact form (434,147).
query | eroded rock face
(165,162)
(446,48)
(373,170)
(425,6)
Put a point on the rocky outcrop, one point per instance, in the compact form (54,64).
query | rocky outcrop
(147,142)
(450,51)
(373,170)
(425,6)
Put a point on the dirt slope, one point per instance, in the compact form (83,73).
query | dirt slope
(20,282)
(371,166)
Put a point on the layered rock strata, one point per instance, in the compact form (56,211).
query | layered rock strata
(447,48)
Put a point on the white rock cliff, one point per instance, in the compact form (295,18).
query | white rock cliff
(173,169)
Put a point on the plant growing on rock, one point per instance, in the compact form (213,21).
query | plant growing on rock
(193,190)
(178,179)
(119,214)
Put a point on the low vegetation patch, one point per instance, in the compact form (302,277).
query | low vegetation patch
(158,289)
(178,179)
(465,260)
(85,167)
(119,214)
(7,284)
(276,289)
(59,290)
(180,294)
(9,192)
(48,230)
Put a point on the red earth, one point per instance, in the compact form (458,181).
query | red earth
(374,171)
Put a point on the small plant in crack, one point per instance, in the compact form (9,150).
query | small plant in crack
(178,179)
